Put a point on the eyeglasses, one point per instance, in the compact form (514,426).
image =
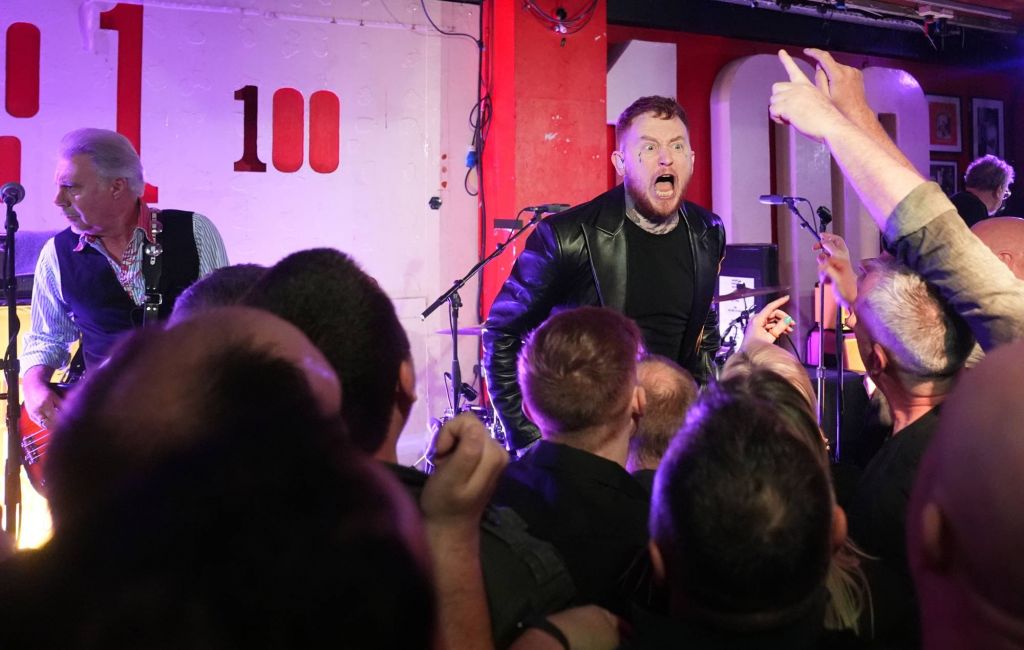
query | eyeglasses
(1006,194)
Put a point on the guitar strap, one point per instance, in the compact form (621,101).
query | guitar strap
(152,265)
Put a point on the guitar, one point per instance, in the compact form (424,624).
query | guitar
(35,438)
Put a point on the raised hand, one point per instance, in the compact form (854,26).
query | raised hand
(769,324)
(802,104)
(843,84)
(834,261)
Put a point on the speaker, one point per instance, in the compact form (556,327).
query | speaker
(753,266)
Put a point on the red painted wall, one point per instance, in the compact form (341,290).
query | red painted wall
(546,141)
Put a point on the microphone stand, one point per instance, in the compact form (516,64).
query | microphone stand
(451,296)
(12,470)
(825,218)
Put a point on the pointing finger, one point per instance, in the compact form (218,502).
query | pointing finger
(796,75)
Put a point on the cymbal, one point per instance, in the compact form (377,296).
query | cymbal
(748,293)
(470,330)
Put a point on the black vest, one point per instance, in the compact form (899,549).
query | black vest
(100,307)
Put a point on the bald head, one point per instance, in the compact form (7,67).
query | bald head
(163,391)
(964,526)
(1005,237)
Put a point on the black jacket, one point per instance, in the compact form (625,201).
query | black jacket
(578,258)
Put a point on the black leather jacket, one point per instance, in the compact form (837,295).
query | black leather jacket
(577,258)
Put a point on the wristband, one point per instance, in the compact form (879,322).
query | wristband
(543,624)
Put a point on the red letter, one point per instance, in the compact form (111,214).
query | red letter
(288,130)
(250,160)
(22,70)
(324,131)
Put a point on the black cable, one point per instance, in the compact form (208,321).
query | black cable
(479,43)
(567,25)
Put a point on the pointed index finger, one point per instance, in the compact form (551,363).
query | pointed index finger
(796,75)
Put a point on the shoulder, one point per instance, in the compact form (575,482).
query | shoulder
(707,217)
(605,210)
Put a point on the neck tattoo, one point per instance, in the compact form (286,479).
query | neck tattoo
(653,227)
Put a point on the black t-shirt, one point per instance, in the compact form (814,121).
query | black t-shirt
(659,286)
(971,208)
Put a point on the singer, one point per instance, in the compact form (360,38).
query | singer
(89,283)
(639,248)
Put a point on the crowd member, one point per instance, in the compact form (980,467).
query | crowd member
(964,526)
(578,372)
(89,282)
(672,249)
(1005,237)
(221,288)
(744,561)
(921,226)
(351,319)
(669,391)
(986,187)
(305,543)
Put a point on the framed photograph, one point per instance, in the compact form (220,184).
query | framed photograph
(946,174)
(944,123)
(987,115)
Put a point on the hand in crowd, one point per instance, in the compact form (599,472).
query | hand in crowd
(834,261)
(468,463)
(802,104)
(842,84)
(769,324)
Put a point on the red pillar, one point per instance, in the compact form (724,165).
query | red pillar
(547,139)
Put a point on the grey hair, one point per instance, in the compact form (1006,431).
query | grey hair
(925,339)
(988,173)
(111,152)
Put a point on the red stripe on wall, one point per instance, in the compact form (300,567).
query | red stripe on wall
(10,159)
(22,96)
(288,130)
(324,131)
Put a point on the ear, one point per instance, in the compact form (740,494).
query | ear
(839,528)
(118,187)
(619,162)
(406,387)
(936,547)
(879,361)
(1006,257)
(657,562)
(639,405)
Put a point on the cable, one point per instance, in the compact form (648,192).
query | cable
(562,23)
(479,43)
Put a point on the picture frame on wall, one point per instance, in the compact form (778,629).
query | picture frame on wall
(987,118)
(944,125)
(947,174)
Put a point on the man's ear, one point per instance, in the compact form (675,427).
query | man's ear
(406,387)
(639,405)
(118,187)
(839,528)
(878,361)
(619,162)
(657,562)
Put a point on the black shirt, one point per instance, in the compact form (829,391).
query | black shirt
(659,285)
(590,509)
(970,207)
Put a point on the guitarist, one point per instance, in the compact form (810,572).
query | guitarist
(89,280)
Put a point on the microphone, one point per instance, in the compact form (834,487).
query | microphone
(12,193)
(778,199)
(824,216)
(548,207)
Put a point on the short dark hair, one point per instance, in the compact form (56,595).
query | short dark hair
(578,368)
(224,286)
(664,108)
(742,510)
(988,173)
(346,314)
(669,396)
(303,542)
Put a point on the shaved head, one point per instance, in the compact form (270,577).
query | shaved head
(965,527)
(1005,236)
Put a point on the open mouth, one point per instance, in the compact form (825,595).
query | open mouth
(664,186)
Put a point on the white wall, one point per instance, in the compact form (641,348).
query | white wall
(405,96)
